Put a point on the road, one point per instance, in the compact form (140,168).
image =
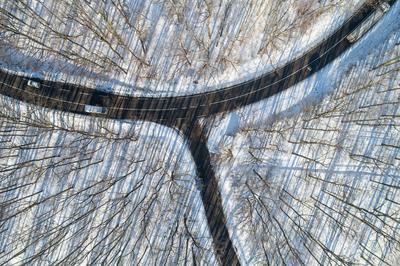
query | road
(72,98)
(183,112)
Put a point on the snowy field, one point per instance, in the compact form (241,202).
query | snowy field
(162,47)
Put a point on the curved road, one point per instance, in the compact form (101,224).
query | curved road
(182,112)
(72,98)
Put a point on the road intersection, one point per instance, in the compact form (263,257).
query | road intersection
(183,112)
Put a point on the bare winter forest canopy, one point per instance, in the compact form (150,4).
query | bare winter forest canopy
(174,45)
(310,176)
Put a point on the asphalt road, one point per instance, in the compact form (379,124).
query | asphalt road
(182,112)
(72,98)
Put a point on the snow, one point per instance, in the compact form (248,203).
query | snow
(166,48)
(138,176)
(289,160)
(332,135)
(233,125)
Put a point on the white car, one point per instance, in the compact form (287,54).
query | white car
(95,109)
(384,7)
(368,23)
(34,84)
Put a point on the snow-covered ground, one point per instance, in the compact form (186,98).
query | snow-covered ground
(77,190)
(309,174)
(162,47)
(312,174)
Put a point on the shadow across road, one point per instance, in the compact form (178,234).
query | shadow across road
(183,112)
